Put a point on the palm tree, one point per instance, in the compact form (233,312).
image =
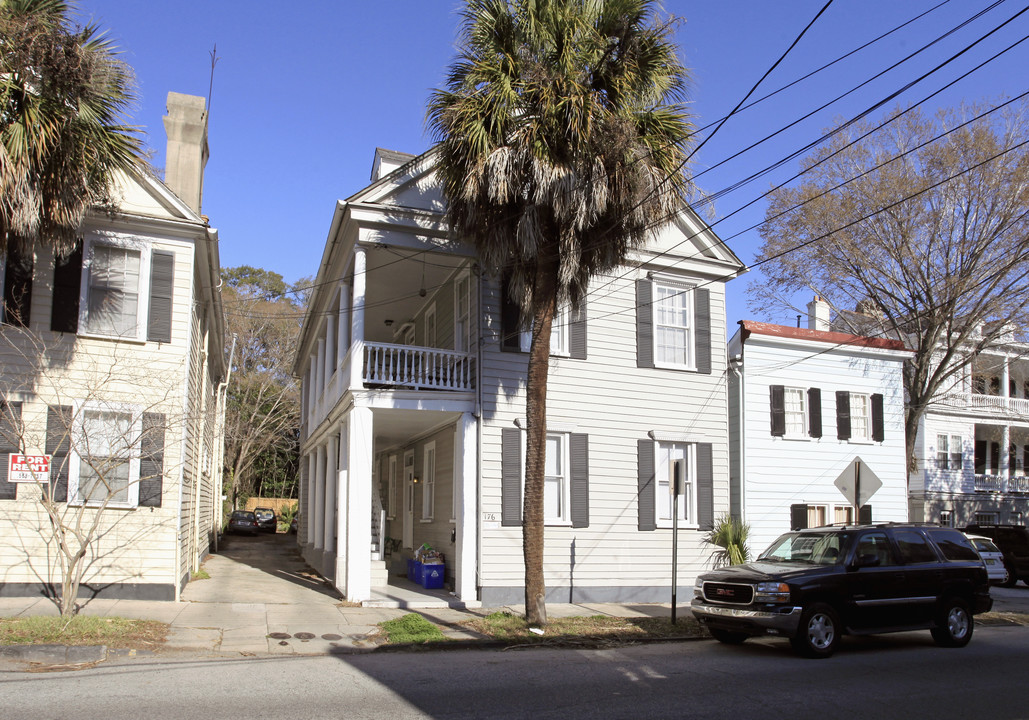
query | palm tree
(63,93)
(562,136)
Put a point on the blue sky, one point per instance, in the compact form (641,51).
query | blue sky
(303,94)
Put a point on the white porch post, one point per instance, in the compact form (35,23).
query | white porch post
(312,478)
(331,358)
(359,504)
(357,320)
(1005,457)
(319,498)
(331,473)
(1005,385)
(341,516)
(342,336)
(465,485)
(320,362)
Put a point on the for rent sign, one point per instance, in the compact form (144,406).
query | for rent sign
(28,468)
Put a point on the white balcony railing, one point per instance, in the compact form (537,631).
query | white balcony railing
(1002,484)
(990,403)
(417,367)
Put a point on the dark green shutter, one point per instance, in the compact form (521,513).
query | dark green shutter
(510,477)
(577,332)
(579,456)
(878,429)
(798,517)
(646,485)
(644,324)
(151,463)
(162,288)
(702,316)
(777,403)
(510,319)
(10,442)
(18,284)
(865,515)
(843,415)
(814,412)
(58,444)
(64,313)
(705,486)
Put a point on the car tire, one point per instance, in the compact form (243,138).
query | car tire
(1011,579)
(954,623)
(728,637)
(818,634)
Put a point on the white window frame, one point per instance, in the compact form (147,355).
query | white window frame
(682,293)
(843,514)
(463,317)
(942,451)
(957,458)
(430,326)
(428,481)
(559,328)
(946,518)
(985,517)
(864,402)
(797,432)
(665,453)
(565,519)
(143,291)
(76,463)
(391,497)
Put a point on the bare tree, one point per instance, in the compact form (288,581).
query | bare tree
(922,224)
(100,420)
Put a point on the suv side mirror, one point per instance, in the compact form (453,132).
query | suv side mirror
(867,560)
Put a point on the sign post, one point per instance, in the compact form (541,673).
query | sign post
(676,485)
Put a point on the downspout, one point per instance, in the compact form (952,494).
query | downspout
(734,365)
(197,463)
(478,433)
(218,459)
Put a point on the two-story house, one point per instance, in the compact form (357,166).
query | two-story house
(972,446)
(414,368)
(110,365)
(816,427)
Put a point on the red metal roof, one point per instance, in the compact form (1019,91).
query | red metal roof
(785,331)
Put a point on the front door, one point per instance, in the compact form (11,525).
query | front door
(409,499)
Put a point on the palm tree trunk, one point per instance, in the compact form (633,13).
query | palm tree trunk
(545,295)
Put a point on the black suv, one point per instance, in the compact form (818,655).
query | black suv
(814,585)
(1013,541)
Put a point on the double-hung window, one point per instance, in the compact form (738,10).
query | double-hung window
(429,481)
(107,458)
(796,411)
(860,425)
(667,454)
(113,292)
(555,480)
(565,478)
(942,453)
(673,326)
(558,332)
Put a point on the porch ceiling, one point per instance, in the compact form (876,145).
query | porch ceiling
(393,427)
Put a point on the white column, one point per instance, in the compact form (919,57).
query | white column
(359,504)
(342,338)
(357,320)
(320,362)
(466,465)
(341,516)
(1005,457)
(318,511)
(1005,382)
(330,349)
(312,476)
(331,473)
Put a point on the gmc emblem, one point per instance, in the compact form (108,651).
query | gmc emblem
(723,591)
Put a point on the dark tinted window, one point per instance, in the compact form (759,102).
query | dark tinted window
(954,545)
(914,548)
(1012,537)
(875,544)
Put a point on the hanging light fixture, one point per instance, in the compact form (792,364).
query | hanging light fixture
(422,291)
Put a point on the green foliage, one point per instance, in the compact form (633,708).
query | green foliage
(411,628)
(82,630)
(730,534)
(286,515)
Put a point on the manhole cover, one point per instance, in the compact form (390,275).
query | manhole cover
(331,636)
(304,636)
(279,636)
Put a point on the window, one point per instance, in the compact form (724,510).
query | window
(946,518)
(957,461)
(16,285)
(565,478)
(462,314)
(428,481)
(430,326)
(816,515)
(555,480)
(391,498)
(843,515)
(942,453)
(875,544)
(986,518)
(796,412)
(667,454)
(859,418)
(107,458)
(1015,518)
(914,548)
(673,326)
(558,333)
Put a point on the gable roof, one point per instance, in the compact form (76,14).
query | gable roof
(750,327)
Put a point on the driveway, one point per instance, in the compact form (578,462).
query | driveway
(265,568)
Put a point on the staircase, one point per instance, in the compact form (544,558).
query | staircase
(379,574)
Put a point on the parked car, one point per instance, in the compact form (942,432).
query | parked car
(992,557)
(812,586)
(1013,541)
(243,522)
(266,519)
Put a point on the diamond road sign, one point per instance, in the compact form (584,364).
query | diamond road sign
(858,483)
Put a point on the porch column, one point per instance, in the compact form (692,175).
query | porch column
(342,476)
(331,358)
(320,362)
(1005,388)
(466,465)
(342,336)
(331,473)
(319,498)
(359,504)
(312,476)
(1005,457)
(357,319)
(314,392)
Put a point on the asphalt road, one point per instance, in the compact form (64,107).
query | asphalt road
(895,676)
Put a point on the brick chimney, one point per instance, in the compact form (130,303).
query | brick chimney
(186,127)
(818,315)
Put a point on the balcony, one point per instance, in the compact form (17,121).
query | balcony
(984,403)
(417,368)
(1002,484)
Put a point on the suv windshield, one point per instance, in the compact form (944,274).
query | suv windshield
(819,548)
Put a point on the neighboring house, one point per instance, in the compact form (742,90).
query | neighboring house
(972,446)
(110,362)
(413,416)
(805,404)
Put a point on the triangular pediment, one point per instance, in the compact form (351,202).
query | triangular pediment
(413,185)
(139,193)
(688,236)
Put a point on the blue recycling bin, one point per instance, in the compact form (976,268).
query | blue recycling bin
(432,575)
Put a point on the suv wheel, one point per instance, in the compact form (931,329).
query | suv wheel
(727,636)
(819,631)
(1011,579)
(954,624)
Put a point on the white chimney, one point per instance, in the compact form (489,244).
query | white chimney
(818,315)
(186,126)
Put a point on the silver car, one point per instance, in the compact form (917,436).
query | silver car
(992,557)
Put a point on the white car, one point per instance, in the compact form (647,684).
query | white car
(992,557)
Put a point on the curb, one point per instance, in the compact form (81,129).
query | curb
(55,654)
